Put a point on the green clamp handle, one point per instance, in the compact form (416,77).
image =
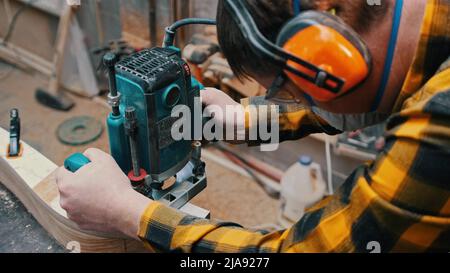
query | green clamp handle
(75,162)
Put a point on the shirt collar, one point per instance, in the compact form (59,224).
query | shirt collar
(433,49)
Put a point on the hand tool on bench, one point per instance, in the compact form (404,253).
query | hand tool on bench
(14,134)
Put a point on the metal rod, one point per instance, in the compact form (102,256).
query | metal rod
(134,157)
(131,129)
(109,60)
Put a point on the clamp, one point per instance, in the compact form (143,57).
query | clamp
(14,134)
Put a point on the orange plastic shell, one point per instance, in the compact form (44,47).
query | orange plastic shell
(329,50)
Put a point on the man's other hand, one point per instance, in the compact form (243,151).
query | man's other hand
(225,111)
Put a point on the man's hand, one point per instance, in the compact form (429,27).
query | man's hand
(213,96)
(225,110)
(99,197)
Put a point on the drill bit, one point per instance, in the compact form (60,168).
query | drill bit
(131,129)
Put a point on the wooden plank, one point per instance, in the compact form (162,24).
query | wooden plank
(24,58)
(77,73)
(31,178)
(54,7)
(60,49)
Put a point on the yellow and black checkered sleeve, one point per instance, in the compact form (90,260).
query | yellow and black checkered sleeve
(400,202)
(295,121)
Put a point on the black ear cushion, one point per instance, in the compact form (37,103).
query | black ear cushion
(309,18)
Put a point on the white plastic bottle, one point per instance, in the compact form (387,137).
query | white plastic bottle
(301,187)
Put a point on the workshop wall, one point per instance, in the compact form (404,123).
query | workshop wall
(34,30)
(143,22)
(101,21)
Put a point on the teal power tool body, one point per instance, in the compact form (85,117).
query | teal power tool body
(144,88)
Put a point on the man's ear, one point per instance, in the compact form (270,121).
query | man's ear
(355,13)
(324,5)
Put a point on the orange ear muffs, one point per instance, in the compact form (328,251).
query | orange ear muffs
(327,42)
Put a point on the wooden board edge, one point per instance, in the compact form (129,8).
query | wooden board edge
(59,227)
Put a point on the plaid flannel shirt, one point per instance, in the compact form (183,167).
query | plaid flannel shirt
(401,200)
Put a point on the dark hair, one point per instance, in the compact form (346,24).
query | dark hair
(271,15)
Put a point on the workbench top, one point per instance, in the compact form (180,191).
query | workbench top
(19,231)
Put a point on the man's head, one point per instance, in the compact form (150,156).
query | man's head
(372,22)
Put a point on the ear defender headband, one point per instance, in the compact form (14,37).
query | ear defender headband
(317,51)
